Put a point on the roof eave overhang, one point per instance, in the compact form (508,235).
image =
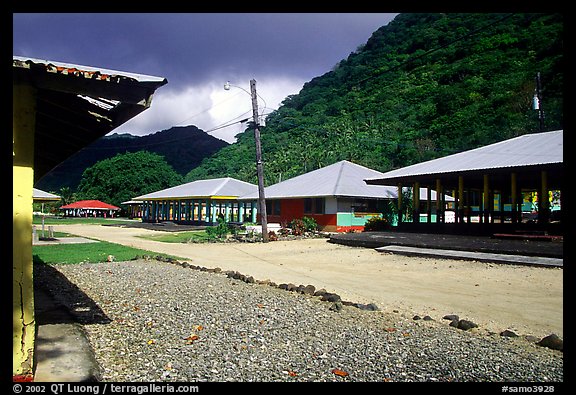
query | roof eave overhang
(530,172)
(160,198)
(68,117)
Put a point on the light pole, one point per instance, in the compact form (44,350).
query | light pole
(259,164)
(537,103)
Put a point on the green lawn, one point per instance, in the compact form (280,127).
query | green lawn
(89,252)
(99,251)
(181,237)
(52,220)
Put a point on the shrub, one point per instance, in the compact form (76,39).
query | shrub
(310,224)
(376,224)
(219,231)
(284,230)
(301,225)
(298,227)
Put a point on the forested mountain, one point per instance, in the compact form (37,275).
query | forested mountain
(183,147)
(422,87)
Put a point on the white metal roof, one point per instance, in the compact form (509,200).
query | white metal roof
(38,194)
(525,150)
(214,187)
(341,179)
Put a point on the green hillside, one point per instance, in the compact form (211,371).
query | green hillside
(183,148)
(422,87)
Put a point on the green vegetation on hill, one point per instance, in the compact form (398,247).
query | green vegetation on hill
(125,176)
(183,148)
(422,87)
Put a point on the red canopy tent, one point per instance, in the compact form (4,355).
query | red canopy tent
(85,208)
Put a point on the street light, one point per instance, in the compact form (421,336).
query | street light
(537,103)
(259,165)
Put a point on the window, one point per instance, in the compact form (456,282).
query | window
(272,207)
(365,206)
(314,206)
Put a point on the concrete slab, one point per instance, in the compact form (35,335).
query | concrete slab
(64,354)
(471,255)
(63,351)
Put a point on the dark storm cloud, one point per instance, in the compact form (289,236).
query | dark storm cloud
(191,47)
(197,53)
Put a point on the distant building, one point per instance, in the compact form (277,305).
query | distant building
(489,183)
(39,195)
(89,208)
(335,196)
(200,202)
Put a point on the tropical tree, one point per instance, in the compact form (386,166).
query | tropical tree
(126,176)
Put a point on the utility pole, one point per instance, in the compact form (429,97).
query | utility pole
(259,164)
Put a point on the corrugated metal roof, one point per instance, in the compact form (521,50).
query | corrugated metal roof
(84,71)
(128,202)
(75,105)
(521,151)
(203,189)
(38,194)
(341,179)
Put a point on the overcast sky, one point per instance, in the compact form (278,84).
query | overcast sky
(197,53)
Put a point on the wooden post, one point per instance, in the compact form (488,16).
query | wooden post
(543,199)
(399,203)
(259,164)
(212,211)
(514,197)
(429,204)
(439,200)
(227,211)
(486,200)
(252,212)
(416,203)
(461,199)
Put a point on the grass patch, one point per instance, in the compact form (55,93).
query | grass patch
(53,220)
(194,236)
(89,253)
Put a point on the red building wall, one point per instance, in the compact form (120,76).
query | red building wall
(294,209)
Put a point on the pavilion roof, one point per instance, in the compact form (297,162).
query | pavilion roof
(525,151)
(90,204)
(214,188)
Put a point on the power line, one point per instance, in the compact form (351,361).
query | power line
(208,109)
(151,144)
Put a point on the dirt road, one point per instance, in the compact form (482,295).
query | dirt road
(528,300)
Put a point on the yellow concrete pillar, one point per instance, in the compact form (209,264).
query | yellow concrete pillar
(23,324)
